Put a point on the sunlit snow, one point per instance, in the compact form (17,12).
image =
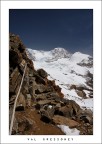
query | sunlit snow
(69,131)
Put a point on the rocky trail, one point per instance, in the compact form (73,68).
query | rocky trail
(41,105)
(35,125)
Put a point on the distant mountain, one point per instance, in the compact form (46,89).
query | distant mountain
(60,53)
(52,55)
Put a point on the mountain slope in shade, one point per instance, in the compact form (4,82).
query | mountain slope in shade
(72,72)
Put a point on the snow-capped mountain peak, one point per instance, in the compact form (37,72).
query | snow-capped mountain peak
(52,55)
(59,49)
(60,53)
(78,57)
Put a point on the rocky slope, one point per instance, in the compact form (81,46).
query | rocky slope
(40,104)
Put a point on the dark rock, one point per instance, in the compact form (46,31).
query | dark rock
(75,107)
(86,116)
(21,103)
(87,119)
(81,94)
(39,79)
(14,58)
(42,73)
(21,47)
(66,111)
(72,87)
(19,108)
(37,106)
(47,113)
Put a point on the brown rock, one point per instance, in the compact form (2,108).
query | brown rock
(24,124)
(14,76)
(75,106)
(65,121)
(47,113)
(39,79)
(42,73)
(81,94)
(40,97)
(66,111)
(43,102)
(86,116)
(28,101)
(43,89)
(72,87)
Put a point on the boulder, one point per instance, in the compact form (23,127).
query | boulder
(42,73)
(66,111)
(86,116)
(24,124)
(72,87)
(43,89)
(47,112)
(81,93)
(86,119)
(58,105)
(39,79)
(75,106)
(61,120)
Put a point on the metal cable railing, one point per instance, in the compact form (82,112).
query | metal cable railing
(13,113)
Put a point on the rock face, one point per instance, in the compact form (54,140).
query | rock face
(40,104)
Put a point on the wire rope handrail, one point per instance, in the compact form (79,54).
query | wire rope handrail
(13,113)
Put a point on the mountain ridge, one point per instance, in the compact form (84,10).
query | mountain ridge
(57,53)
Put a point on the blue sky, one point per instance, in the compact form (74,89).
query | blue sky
(45,29)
